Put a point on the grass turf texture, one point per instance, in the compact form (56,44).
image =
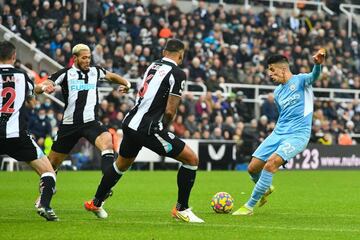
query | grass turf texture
(305,205)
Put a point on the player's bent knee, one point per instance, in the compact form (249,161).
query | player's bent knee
(188,157)
(48,167)
(251,169)
(255,165)
(56,159)
(271,166)
(42,165)
(194,161)
(123,164)
(104,141)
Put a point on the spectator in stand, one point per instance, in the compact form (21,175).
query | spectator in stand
(236,50)
(243,37)
(316,132)
(217,134)
(197,72)
(98,55)
(111,112)
(329,109)
(179,127)
(356,120)
(213,83)
(269,108)
(217,122)
(190,103)
(345,139)
(263,127)
(350,127)
(201,106)
(204,123)
(40,127)
(227,135)
(191,124)
(117,122)
(250,136)
(45,11)
(326,139)
(50,115)
(229,126)
(240,108)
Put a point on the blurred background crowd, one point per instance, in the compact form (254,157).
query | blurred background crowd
(223,46)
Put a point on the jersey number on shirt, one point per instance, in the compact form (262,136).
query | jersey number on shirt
(145,85)
(6,108)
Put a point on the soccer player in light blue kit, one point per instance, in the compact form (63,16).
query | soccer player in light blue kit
(294,100)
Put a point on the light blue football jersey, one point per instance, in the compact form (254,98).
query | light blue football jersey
(295,100)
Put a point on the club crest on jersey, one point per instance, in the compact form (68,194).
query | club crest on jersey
(292,87)
(162,73)
(171,135)
(72,74)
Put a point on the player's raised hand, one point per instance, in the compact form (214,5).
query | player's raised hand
(48,88)
(123,89)
(319,57)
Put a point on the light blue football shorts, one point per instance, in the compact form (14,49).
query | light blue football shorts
(286,146)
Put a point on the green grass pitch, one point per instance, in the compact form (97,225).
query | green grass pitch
(305,205)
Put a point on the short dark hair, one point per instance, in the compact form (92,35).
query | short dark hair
(277,59)
(174,45)
(7,50)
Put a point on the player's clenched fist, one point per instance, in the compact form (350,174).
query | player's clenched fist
(319,57)
(49,88)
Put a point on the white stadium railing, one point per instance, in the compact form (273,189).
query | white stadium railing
(350,14)
(321,6)
(29,53)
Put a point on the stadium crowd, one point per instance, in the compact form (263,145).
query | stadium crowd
(224,46)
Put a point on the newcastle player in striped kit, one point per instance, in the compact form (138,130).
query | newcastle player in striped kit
(15,89)
(79,88)
(146,125)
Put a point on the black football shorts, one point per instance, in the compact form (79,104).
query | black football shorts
(22,148)
(69,135)
(164,143)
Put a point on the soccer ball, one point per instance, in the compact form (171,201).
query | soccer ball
(222,202)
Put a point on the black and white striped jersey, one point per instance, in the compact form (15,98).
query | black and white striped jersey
(162,77)
(15,86)
(79,89)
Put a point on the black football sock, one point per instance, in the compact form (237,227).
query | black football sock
(185,181)
(110,178)
(47,188)
(107,159)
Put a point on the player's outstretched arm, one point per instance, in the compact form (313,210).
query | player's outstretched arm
(46,86)
(318,59)
(126,85)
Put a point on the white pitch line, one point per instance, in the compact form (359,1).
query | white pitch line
(80,209)
(206,225)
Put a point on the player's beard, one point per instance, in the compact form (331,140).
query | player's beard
(84,67)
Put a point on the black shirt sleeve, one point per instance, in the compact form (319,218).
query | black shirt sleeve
(59,76)
(30,85)
(177,82)
(101,72)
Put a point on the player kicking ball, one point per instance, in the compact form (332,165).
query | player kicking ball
(146,125)
(294,99)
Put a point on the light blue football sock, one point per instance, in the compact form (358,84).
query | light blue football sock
(255,176)
(260,188)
